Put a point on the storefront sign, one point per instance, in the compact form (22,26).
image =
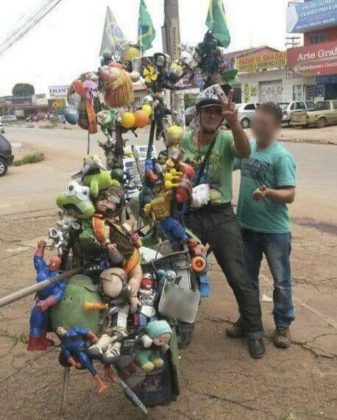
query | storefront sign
(58,91)
(312,15)
(314,60)
(260,61)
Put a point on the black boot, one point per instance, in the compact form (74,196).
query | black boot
(256,347)
(236,330)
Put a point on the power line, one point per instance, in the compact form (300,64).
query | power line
(29,24)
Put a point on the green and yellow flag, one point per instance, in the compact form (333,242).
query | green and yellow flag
(146,31)
(217,23)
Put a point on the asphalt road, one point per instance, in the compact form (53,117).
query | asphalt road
(35,187)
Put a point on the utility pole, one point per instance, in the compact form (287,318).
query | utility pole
(171,29)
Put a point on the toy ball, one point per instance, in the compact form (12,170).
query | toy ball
(147,109)
(141,119)
(147,100)
(175,134)
(128,120)
(134,76)
(71,115)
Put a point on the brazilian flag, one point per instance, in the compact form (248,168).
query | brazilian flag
(146,31)
(216,22)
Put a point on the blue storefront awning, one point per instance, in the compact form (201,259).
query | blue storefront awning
(325,80)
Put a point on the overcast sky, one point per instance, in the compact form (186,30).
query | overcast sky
(67,41)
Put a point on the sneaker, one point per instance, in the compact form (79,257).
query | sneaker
(236,330)
(282,338)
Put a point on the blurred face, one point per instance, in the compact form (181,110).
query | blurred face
(210,118)
(265,128)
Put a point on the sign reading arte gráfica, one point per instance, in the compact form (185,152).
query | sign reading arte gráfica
(318,59)
(261,60)
(312,15)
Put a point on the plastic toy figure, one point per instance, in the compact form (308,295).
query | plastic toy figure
(73,349)
(111,235)
(156,342)
(199,265)
(160,209)
(117,291)
(46,298)
(147,297)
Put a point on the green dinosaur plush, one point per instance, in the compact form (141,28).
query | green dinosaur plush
(94,175)
(156,342)
(98,182)
(76,199)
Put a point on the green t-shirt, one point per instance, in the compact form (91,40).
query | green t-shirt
(219,169)
(273,167)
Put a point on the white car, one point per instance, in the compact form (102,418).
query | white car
(289,108)
(8,118)
(246,113)
(2,128)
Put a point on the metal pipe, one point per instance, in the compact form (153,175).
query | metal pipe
(30,290)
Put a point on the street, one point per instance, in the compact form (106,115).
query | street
(219,379)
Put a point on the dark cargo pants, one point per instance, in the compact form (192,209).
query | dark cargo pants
(218,226)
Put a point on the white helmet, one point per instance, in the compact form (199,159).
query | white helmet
(210,96)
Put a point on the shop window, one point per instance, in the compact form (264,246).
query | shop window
(297,93)
(319,38)
(309,92)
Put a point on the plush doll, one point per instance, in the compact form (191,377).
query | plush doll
(94,175)
(76,200)
(155,342)
(114,284)
(118,244)
(45,299)
(160,209)
(117,85)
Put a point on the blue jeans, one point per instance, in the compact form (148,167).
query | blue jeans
(277,249)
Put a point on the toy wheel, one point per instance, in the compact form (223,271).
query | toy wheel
(198,264)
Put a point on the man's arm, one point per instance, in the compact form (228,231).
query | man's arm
(241,147)
(280,195)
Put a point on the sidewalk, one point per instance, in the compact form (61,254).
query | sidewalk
(220,380)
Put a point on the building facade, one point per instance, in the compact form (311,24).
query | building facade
(317,59)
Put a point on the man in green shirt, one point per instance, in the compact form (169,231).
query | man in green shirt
(212,151)
(267,186)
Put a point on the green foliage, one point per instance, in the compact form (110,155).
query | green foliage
(23,90)
(32,158)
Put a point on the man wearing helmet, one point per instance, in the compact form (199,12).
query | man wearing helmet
(211,151)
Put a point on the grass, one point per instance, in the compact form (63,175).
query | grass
(32,158)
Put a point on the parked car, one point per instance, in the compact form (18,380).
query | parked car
(8,118)
(6,156)
(289,108)
(2,128)
(325,113)
(189,114)
(246,113)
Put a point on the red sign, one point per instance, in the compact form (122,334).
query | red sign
(314,60)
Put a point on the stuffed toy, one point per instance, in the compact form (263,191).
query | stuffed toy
(76,200)
(95,176)
(155,342)
(117,85)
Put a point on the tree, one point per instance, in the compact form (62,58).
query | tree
(23,90)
